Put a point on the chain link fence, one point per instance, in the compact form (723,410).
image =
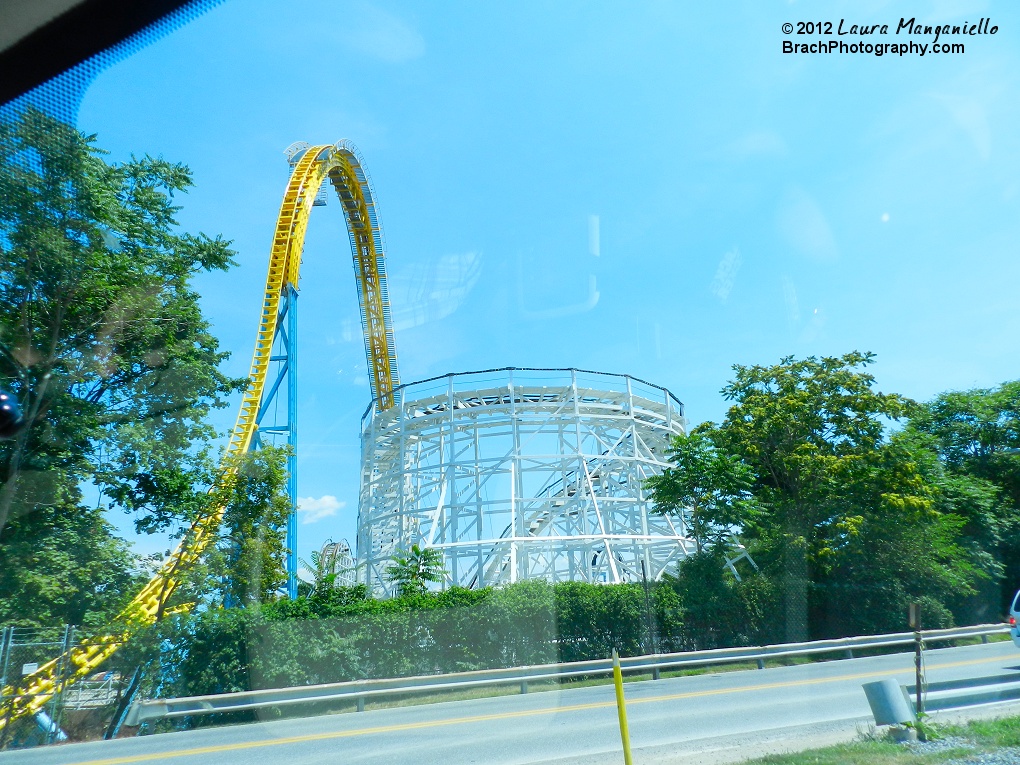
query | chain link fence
(87,709)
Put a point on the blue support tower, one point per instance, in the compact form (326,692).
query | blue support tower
(284,363)
(292,556)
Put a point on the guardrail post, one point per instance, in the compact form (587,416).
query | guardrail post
(524,686)
(761,663)
(914,617)
(361,703)
(984,638)
(889,703)
(849,653)
(655,673)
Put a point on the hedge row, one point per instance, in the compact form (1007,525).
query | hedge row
(345,635)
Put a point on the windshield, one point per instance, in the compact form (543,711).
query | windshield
(347,343)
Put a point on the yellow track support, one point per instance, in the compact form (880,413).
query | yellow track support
(342,166)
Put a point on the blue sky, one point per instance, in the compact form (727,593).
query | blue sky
(643,187)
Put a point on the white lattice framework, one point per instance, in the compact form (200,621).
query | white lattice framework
(520,474)
(337,560)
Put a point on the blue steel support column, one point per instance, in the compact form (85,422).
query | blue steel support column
(292,553)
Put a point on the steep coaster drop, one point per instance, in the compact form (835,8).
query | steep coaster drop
(341,165)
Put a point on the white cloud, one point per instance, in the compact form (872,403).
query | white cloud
(314,509)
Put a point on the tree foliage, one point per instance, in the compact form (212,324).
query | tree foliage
(106,345)
(849,524)
(342,634)
(413,570)
(976,435)
(63,565)
(800,424)
(323,578)
(898,540)
(978,432)
(328,571)
(710,489)
(248,565)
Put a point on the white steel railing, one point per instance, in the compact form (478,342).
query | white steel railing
(360,690)
(89,694)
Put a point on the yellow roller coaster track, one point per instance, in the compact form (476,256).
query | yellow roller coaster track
(342,166)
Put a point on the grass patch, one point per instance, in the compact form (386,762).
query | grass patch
(860,753)
(1002,732)
(980,735)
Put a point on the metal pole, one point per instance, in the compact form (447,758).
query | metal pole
(621,709)
(55,733)
(5,638)
(917,672)
(915,622)
(652,642)
(123,705)
(292,551)
(7,703)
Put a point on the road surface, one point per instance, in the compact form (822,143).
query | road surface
(704,718)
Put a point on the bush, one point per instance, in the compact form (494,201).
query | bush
(343,634)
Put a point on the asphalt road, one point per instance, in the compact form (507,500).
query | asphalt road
(714,717)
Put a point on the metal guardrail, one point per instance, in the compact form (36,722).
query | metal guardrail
(953,694)
(894,704)
(360,690)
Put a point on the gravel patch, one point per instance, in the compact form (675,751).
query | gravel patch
(1008,756)
(939,745)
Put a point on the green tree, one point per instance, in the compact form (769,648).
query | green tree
(325,570)
(250,559)
(107,348)
(412,571)
(896,539)
(63,565)
(323,578)
(847,515)
(976,434)
(710,489)
(716,611)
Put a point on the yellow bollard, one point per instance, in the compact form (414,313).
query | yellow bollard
(621,708)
